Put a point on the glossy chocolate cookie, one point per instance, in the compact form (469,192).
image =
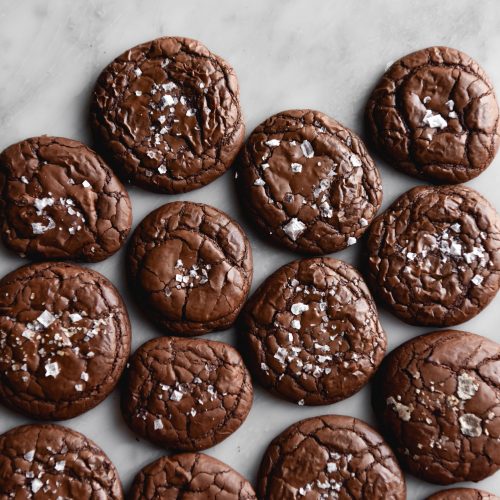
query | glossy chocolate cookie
(167,114)
(64,339)
(308,182)
(186,394)
(190,475)
(438,398)
(59,200)
(53,462)
(434,115)
(330,457)
(191,266)
(463,494)
(314,332)
(434,255)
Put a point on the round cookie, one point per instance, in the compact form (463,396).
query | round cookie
(313,332)
(330,456)
(186,394)
(191,267)
(434,255)
(167,114)
(308,182)
(59,200)
(194,475)
(434,115)
(463,494)
(438,398)
(64,339)
(51,461)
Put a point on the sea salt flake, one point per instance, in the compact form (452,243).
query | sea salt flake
(467,386)
(404,411)
(264,367)
(79,387)
(36,484)
(52,369)
(46,318)
(259,182)
(301,402)
(84,376)
(59,466)
(272,143)
(363,222)
(295,324)
(455,227)
(24,180)
(162,169)
(450,104)
(158,424)
(137,72)
(307,149)
(299,308)
(86,184)
(452,114)
(355,160)
(470,425)
(434,121)
(138,93)
(176,395)
(30,455)
(75,317)
(351,241)
(191,112)
(477,279)
(296,168)
(294,228)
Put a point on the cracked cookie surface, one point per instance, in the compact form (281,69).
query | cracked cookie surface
(313,332)
(438,398)
(167,114)
(434,115)
(191,267)
(331,456)
(194,475)
(59,200)
(64,339)
(53,462)
(463,494)
(434,255)
(308,182)
(186,394)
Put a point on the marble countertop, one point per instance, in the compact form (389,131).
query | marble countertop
(325,55)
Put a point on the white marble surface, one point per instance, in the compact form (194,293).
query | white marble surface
(320,54)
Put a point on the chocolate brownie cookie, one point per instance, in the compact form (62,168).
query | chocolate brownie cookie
(194,475)
(330,457)
(434,115)
(463,494)
(191,266)
(168,115)
(186,394)
(308,182)
(64,339)
(54,462)
(438,398)
(59,200)
(434,255)
(314,332)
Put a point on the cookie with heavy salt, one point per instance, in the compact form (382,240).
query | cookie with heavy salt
(64,339)
(330,456)
(54,462)
(308,182)
(190,475)
(434,115)
(434,255)
(190,265)
(186,394)
(313,332)
(437,398)
(167,115)
(60,200)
